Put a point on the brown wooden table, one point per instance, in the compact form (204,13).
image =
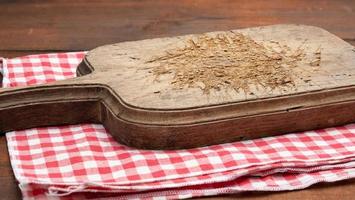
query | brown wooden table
(28,27)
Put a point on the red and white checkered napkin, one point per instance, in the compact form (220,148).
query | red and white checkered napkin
(83,161)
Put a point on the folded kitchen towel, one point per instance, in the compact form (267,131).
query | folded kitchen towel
(83,161)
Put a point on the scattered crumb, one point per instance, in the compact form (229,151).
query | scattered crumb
(230,60)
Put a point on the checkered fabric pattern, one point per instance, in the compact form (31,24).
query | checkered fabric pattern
(38,69)
(83,161)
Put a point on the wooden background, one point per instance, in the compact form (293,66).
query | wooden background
(28,27)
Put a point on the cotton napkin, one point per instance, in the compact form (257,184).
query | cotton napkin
(84,161)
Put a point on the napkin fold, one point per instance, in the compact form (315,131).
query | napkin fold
(84,161)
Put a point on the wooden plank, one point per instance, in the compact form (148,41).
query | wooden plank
(9,188)
(352,42)
(77,25)
(17,53)
(121,92)
(84,25)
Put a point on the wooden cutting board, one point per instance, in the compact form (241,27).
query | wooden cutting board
(170,93)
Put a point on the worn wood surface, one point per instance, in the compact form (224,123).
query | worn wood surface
(37,26)
(68,25)
(120,92)
(127,68)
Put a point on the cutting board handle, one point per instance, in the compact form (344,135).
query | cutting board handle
(63,102)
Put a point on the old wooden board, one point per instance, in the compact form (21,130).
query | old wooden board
(28,28)
(120,90)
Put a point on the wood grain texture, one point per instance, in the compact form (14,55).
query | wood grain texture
(9,188)
(127,69)
(30,27)
(68,25)
(120,94)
